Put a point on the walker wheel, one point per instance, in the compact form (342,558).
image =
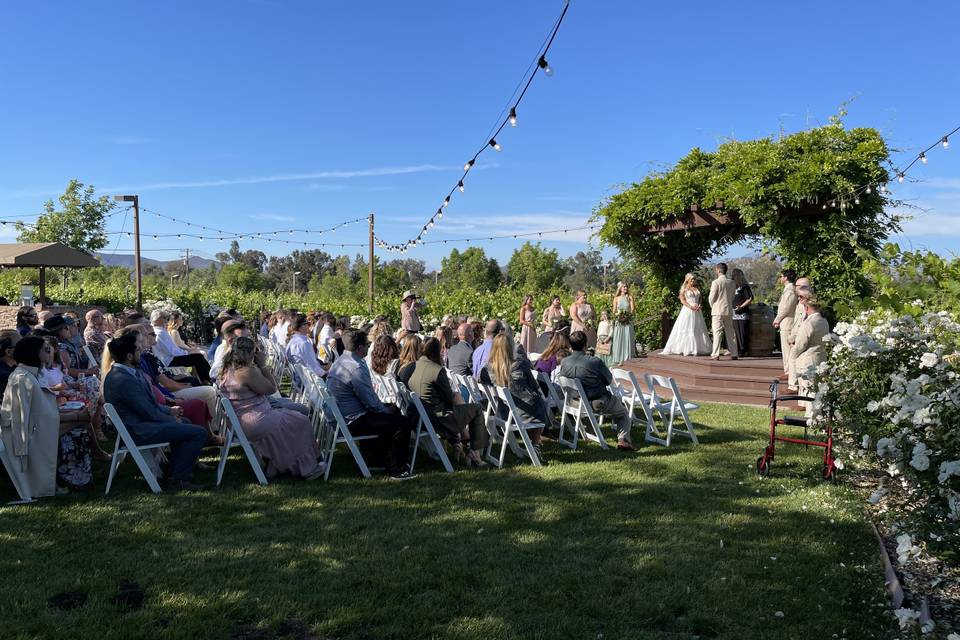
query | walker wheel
(763,466)
(830,472)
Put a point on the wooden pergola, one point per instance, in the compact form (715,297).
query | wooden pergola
(40,255)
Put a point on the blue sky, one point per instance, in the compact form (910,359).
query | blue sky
(270,114)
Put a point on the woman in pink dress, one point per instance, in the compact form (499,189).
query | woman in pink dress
(284,438)
(528,331)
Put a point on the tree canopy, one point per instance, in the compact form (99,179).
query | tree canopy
(471,269)
(534,268)
(79,223)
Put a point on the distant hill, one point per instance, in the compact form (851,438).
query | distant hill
(126,260)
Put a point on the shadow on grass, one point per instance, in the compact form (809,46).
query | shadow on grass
(598,543)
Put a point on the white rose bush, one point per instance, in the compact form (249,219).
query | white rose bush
(892,384)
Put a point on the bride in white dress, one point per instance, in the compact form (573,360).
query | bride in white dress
(689,336)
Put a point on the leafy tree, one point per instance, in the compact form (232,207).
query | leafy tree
(534,268)
(585,271)
(252,258)
(313,263)
(471,270)
(80,222)
(240,277)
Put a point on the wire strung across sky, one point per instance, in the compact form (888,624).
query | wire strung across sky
(491,142)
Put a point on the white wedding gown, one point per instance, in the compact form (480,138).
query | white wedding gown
(689,336)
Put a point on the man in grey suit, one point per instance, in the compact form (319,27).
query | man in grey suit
(126,388)
(722,291)
(594,376)
(460,355)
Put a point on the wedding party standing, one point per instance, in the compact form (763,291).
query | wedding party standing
(553,317)
(528,331)
(583,318)
(742,298)
(722,291)
(623,338)
(689,335)
(786,308)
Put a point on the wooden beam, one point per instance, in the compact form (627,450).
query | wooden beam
(43,288)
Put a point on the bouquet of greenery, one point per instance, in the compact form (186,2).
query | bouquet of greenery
(624,317)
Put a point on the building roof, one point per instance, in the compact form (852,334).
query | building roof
(44,254)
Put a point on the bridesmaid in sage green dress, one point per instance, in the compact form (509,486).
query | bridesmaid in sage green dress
(623,338)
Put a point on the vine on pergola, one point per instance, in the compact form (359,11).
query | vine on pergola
(772,191)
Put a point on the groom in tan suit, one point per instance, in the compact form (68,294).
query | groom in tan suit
(721,311)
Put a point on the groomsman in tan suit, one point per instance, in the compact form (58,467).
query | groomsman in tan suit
(808,351)
(804,292)
(722,291)
(786,309)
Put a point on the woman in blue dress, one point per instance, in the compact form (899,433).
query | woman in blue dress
(623,338)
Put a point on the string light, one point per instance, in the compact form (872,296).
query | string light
(923,157)
(539,63)
(945,142)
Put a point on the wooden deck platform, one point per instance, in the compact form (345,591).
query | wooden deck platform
(743,381)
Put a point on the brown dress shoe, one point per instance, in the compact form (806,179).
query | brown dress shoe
(623,445)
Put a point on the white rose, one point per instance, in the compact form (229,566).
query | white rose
(887,447)
(947,469)
(929,360)
(906,617)
(872,406)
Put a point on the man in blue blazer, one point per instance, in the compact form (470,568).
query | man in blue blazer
(148,422)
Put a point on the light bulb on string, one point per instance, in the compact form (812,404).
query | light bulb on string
(513,116)
(496,145)
(468,165)
(446,201)
(869,190)
(900,177)
(543,64)
(945,142)
(460,186)
(439,214)
(923,157)
(430,224)
(856,201)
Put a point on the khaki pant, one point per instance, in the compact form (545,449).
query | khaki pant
(723,325)
(613,407)
(785,347)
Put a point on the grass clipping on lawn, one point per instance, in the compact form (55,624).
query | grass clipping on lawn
(663,543)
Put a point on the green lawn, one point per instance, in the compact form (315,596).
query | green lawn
(665,543)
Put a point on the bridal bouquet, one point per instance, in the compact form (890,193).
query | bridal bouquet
(624,317)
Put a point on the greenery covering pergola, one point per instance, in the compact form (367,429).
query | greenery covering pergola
(801,197)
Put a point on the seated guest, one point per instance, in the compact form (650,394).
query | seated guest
(76,335)
(151,365)
(95,335)
(43,316)
(445,336)
(170,354)
(380,327)
(348,381)
(58,327)
(29,418)
(8,341)
(557,349)
(481,353)
(384,357)
(460,355)
(26,320)
(282,437)
(148,422)
(195,410)
(266,323)
(217,338)
(411,346)
(448,413)
(279,332)
(174,324)
(326,337)
(299,347)
(477,326)
(504,369)
(594,376)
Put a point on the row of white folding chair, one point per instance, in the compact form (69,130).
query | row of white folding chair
(625,384)
(504,431)
(124,444)
(577,406)
(425,429)
(231,430)
(335,431)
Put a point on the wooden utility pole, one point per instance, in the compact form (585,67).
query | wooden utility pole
(186,267)
(370,270)
(136,244)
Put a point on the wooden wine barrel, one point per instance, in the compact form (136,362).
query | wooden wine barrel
(762,333)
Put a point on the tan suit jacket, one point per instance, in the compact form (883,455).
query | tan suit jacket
(722,291)
(809,350)
(787,307)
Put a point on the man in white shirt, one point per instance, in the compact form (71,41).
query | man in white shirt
(173,356)
(279,334)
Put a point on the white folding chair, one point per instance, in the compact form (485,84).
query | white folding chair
(554,400)
(17,477)
(506,430)
(125,445)
(626,387)
(234,436)
(668,408)
(93,362)
(425,430)
(341,435)
(578,407)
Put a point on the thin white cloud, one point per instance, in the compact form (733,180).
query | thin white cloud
(128,140)
(941,183)
(319,186)
(933,224)
(291,177)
